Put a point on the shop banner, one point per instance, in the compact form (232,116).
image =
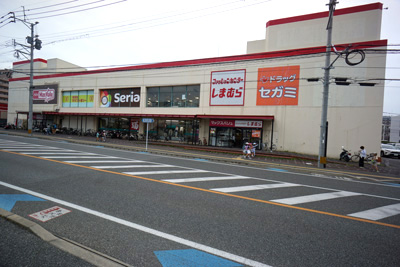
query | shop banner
(134,124)
(278,86)
(227,88)
(74,99)
(127,97)
(236,123)
(45,94)
(256,133)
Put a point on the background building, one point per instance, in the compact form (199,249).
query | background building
(4,77)
(395,129)
(386,120)
(272,94)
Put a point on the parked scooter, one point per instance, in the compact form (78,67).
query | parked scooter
(345,155)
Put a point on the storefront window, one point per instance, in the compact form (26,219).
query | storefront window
(179,96)
(74,99)
(152,96)
(193,96)
(124,124)
(173,96)
(165,96)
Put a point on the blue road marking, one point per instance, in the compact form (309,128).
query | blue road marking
(7,201)
(276,170)
(191,258)
(201,159)
(391,184)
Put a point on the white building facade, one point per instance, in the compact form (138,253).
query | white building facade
(395,129)
(264,96)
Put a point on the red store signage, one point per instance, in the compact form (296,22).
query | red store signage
(236,123)
(134,124)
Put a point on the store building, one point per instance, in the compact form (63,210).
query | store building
(272,94)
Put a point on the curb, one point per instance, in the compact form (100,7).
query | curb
(87,254)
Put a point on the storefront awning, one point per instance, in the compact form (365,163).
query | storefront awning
(236,117)
(227,117)
(119,115)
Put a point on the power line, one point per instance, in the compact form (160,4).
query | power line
(112,29)
(77,11)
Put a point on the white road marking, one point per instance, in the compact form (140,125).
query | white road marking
(132,166)
(79,157)
(102,161)
(145,229)
(253,187)
(378,213)
(164,172)
(57,153)
(204,179)
(316,197)
(31,149)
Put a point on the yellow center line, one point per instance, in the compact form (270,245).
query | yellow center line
(213,192)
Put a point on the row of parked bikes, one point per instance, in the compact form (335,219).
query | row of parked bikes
(109,134)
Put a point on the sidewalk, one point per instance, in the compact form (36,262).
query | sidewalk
(388,167)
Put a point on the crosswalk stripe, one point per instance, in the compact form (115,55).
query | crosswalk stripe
(378,213)
(19,146)
(315,197)
(57,153)
(164,172)
(102,161)
(31,149)
(204,179)
(253,187)
(78,157)
(132,166)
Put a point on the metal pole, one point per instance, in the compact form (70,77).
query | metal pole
(30,118)
(325,95)
(147,134)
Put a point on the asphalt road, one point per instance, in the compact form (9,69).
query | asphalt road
(152,210)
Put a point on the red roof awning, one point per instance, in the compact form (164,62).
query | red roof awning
(236,117)
(231,117)
(119,115)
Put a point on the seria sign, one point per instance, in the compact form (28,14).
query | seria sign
(127,97)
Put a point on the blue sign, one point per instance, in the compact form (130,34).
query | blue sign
(7,202)
(147,120)
(191,258)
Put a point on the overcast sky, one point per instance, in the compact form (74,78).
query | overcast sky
(107,33)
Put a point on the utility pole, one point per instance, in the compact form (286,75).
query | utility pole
(30,116)
(325,94)
(34,42)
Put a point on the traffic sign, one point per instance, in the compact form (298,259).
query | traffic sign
(147,120)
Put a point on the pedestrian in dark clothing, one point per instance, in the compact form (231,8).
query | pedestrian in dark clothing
(363,155)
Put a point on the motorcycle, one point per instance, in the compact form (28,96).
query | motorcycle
(345,155)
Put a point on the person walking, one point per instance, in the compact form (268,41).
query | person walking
(374,162)
(363,155)
(103,136)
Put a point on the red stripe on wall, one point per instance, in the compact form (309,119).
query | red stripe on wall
(28,61)
(194,62)
(325,14)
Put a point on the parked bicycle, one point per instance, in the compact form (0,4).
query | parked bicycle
(266,146)
(356,157)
